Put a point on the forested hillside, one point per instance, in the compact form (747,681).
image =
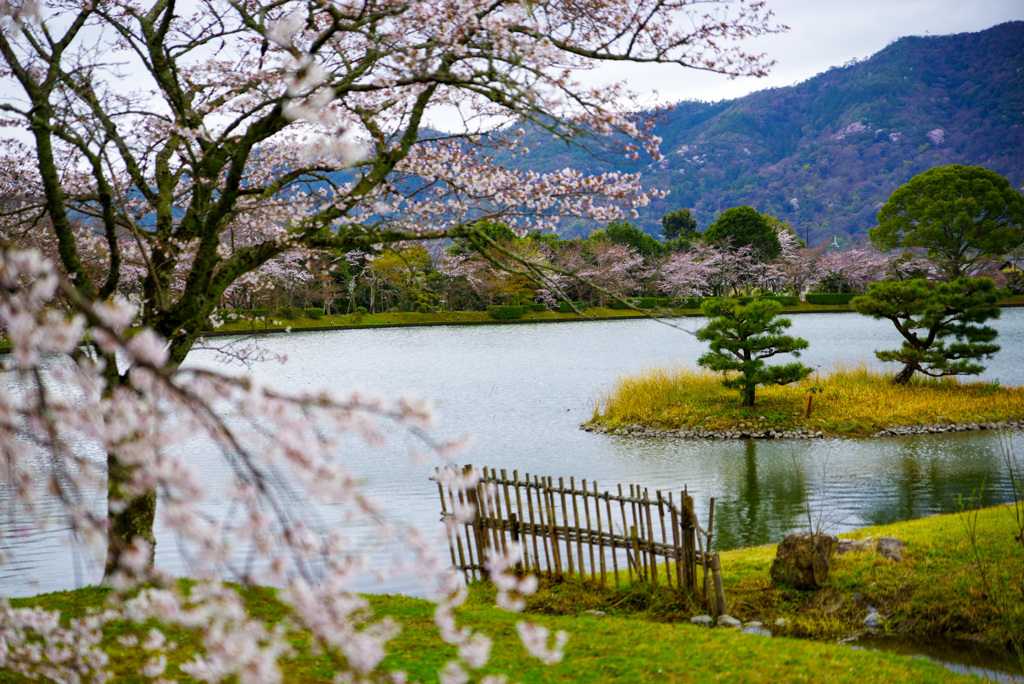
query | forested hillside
(824,155)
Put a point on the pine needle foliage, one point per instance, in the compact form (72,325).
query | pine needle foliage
(741,337)
(941,324)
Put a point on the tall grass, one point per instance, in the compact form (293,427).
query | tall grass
(848,400)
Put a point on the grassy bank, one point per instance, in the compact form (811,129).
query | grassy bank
(952,583)
(645,636)
(847,402)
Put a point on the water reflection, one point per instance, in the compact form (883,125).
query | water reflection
(926,475)
(764,492)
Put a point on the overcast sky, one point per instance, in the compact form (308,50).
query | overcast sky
(823,34)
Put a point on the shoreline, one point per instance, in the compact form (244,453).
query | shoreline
(477,318)
(638,430)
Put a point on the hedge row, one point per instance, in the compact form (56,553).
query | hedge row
(565,307)
(784,300)
(829,297)
(506,312)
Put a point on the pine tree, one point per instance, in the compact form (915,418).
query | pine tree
(940,324)
(741,337)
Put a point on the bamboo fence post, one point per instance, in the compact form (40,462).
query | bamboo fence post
(497,516)
(479,524)
(611,535)
(705,591)
(579,532)
(707,546)
(445,513)
(483,516)
(677,550)
(458,537)
(625,523)
(565,526)
(711,521)
(600,536)
(549,500)
(519,510)
(650,538)
(533,526)
(514,533)
(689,540)
(590,546)
(542,527)
(635,559)
(664,537)
(469,531)
(508,508)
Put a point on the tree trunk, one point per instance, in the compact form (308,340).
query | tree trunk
(748,394)
(128,516)
(903,377)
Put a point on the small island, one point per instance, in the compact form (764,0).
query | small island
(689,403)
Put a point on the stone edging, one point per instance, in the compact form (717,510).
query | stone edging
(754,432)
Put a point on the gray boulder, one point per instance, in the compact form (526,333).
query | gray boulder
(803,559)
(729,621)
(848,545)
(874,619)
(891,548)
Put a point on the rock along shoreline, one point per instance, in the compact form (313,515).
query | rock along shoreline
(749,431)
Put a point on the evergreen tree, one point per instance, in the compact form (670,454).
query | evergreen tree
(625,233)
(742,226)
(959,215)
(940,324)
(679,230)
(741,337)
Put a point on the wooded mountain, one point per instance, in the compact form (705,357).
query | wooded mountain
(825,154)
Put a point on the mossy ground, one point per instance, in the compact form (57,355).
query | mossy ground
(845,402)
(645,635)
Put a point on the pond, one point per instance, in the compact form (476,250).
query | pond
(521,392)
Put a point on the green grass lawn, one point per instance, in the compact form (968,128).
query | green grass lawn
(938,589)
(645,636)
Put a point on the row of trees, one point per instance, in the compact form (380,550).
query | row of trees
(945,223)
(610,263)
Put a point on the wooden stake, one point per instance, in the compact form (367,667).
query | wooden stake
(716,575)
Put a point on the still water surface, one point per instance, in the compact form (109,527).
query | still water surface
(521,392)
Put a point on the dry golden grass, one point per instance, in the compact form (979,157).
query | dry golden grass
(847,401)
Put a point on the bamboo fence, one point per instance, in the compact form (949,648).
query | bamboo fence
(575,529)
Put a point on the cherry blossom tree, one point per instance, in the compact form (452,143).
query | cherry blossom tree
(798,264)
(617,270)
(855,268)
(156,136)
(686,274)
